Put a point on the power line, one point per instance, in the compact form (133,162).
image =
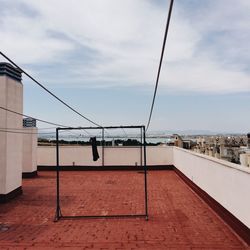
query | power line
(40,120)
(47,90)
(23,132)
(18,129)
(161,58)
(47,128)
(27,116)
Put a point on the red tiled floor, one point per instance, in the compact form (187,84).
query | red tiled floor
(178,218)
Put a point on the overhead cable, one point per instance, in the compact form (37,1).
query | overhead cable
(161,58)
(23,132)
(27,116)
(40,120)
(24,128)
(11,131)
(47,90)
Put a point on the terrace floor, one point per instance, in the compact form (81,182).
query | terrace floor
(178,218)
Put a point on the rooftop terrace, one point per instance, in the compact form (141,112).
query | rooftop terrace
(178,218)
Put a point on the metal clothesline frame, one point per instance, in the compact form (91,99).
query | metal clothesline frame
(59,215)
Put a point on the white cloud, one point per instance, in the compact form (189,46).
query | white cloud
(125,39)
(204,76)
(26,40)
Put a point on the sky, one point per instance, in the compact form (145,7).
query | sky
(102,56)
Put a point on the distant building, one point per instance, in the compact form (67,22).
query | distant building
(245,153)
(232,148)
(183,143)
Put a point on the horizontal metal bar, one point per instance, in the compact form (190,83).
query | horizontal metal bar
(109,127)
(102,216)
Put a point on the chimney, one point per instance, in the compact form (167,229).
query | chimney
(11,97)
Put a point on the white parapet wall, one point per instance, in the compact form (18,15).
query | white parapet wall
(227,183)
(121,156)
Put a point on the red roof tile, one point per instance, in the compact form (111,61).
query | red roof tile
(178,218)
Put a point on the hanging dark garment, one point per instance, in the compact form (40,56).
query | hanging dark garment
(94,148)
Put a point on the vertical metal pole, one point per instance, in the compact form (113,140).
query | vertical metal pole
(57,179)
(103,147)
(145,173)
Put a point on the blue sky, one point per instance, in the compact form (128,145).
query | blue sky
(101,56)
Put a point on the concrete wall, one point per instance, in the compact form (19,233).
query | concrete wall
(122,156)
(29,150)
(227,183)
(11,97)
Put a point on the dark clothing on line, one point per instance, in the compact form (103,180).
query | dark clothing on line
(94,148)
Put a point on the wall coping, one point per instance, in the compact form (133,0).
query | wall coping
(120,147)
(213,159)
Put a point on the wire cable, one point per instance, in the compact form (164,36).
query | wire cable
(27,116)
(47,128)
(40,120)
(18,129)
(23,132)
(161,58)
(47,90)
